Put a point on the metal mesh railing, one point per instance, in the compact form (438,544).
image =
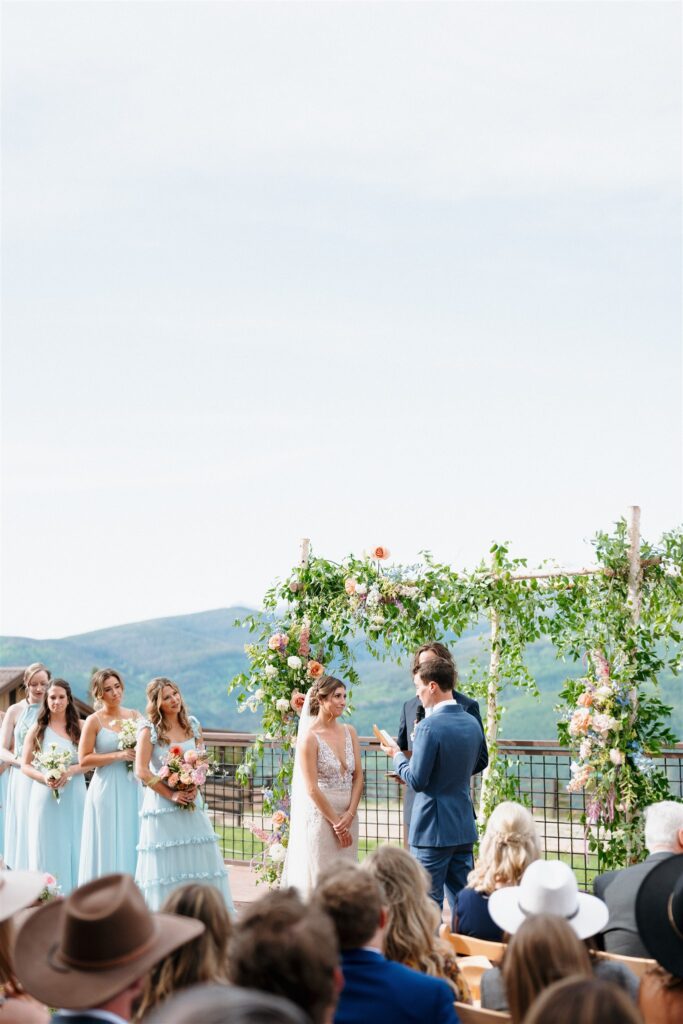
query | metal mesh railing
(539,769)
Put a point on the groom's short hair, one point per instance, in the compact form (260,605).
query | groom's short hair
(284,946)
(439,671)
(353,899)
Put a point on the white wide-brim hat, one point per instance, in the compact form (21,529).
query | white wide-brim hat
(548,887)
(19,889)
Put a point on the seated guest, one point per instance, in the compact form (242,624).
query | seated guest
(543,949)
(411,937)
(205,959)
(549,889)
(588,1000)
(92,951)
(511,842)
(659,916)
(375,989)
(663,839)
(284,946)
(218,1004)
(18,889)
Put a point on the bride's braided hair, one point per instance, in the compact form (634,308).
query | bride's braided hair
(323,687)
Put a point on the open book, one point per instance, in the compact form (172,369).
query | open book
(383,736)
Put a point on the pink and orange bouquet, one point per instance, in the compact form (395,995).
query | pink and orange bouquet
(185,769)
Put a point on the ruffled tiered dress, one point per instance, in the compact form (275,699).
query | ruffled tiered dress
(55,826)
(176,845)
(111,824)
(18,792)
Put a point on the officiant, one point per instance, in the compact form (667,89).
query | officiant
(412,714)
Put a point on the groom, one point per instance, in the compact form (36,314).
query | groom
(446,748)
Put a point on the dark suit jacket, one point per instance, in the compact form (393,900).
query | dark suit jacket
(618,889)
(405,741)
(446,748)
(379,990)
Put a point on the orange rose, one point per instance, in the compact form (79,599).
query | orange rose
(279,818)
(315,669)
(380,553)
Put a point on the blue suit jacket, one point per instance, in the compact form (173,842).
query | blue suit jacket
(377,989)
(446,748)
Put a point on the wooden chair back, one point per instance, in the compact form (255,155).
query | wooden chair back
(465,945)
(476,1015)
(638,964)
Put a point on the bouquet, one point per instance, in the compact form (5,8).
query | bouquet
(51,890)
(128,738)
(185,769)
(53,763)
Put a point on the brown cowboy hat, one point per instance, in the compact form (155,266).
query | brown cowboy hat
(80,952)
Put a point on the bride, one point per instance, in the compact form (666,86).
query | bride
(326,787)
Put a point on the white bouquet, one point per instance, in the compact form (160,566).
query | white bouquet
(128,738)
(53,763)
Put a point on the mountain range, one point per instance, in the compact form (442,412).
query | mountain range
(204,650)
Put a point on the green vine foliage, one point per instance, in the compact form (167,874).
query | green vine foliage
(312,621)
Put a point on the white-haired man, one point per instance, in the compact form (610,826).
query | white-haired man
(663,838)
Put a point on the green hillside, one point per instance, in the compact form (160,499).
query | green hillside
(203,651)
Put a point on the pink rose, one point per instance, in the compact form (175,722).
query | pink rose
(198,777)
(164,772)
(173,779)
(580,721)
(191,756)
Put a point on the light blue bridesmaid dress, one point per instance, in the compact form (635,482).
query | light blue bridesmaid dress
(176,845)
(19,788)
(3,804)
(111,822)
(55,826)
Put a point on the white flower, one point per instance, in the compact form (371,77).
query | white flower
(361,588)
(259,695)
(282,705)
(294,662)
(277,853)
(243,770)
(616,756)
(604,691)
(270,672)
(671,569)
(373,597)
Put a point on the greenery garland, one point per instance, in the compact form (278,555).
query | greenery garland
(612,719)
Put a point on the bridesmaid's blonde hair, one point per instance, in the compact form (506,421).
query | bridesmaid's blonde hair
(509,845)
(153,712)
(97,682)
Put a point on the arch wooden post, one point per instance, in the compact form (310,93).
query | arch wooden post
(304,552)
(634,566)
(491,707)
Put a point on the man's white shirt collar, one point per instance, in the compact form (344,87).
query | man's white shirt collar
(437,707)
(106,1015)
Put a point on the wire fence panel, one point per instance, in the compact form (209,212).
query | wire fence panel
(539,771)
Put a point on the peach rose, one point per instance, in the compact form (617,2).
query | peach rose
(580,721)
(585,699)
(380,553)
(350,587)
(315,669)
(279,818)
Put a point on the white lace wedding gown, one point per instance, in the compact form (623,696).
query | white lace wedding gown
(312,843)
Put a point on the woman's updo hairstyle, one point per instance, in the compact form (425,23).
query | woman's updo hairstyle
(97,682)
(324,687)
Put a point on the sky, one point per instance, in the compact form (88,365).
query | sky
(370,273)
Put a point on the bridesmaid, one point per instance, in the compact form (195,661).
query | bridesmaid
(54,826)
(111,823)
(17,722)
(177,845)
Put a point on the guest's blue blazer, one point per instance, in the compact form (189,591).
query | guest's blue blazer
(446,748)
(379,990)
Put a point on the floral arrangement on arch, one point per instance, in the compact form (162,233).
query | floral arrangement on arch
(612,765)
